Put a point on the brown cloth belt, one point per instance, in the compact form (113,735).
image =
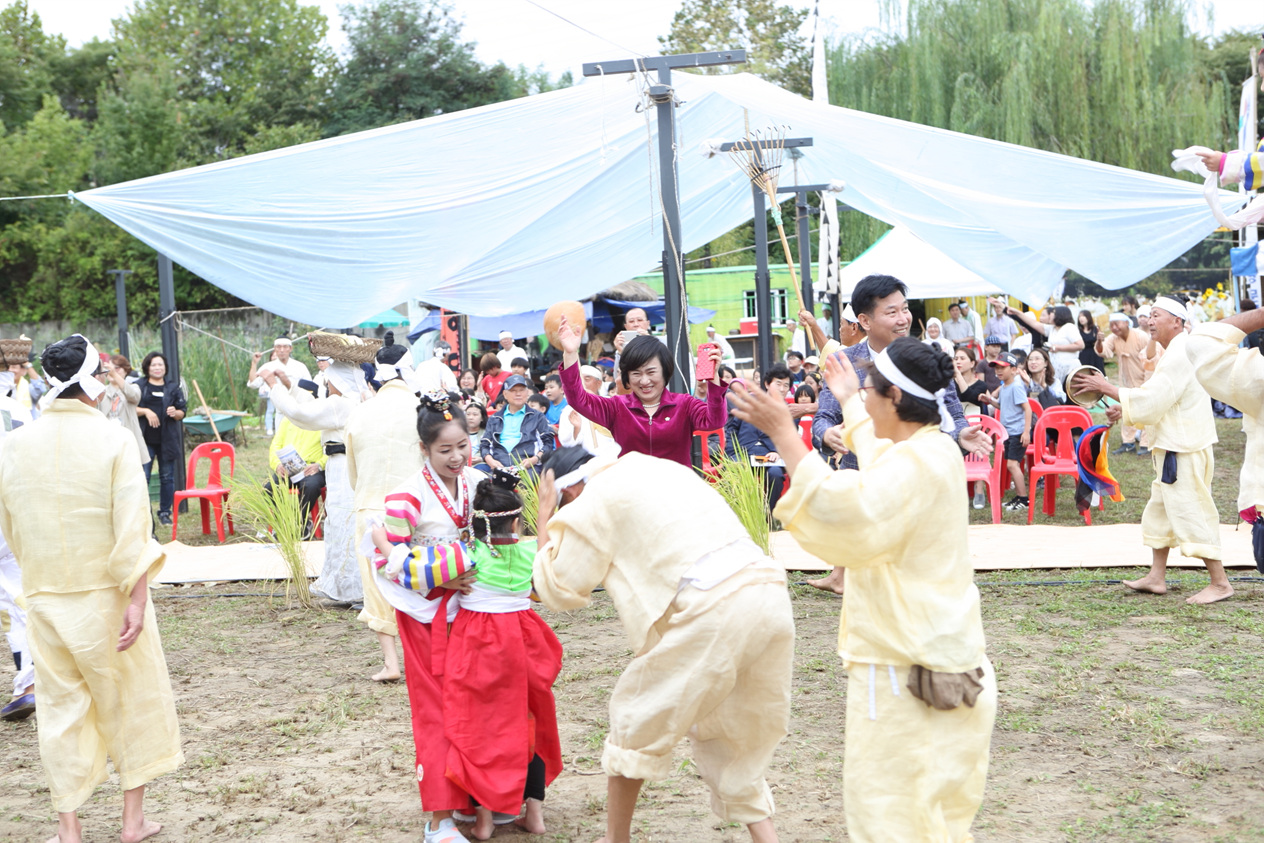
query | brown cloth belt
(945,691)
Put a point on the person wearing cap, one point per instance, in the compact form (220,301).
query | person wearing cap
(383,451)
(921,693)
(1235,375)
(75,512)
(1014,411)
(706,614)
(516,434)
(345,386)
(810,364)
(508,351)
(1181,512)
(726,350)
(992,349)
(1128,345)
(574,429)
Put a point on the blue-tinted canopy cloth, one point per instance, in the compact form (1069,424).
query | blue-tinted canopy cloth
(600,312)
(510,207)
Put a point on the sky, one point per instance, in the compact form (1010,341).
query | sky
(523,32)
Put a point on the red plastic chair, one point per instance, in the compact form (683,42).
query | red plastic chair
(1052,464)
(990,471)
(315,516)
(214,495)
(708,468)
(805,431)
(1037,410)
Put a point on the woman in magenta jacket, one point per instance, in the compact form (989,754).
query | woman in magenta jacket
(648,419)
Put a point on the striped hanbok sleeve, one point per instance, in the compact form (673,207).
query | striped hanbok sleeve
(403,511)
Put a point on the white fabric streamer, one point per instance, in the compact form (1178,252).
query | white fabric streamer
(884,364)
(1188,160)
(85,377)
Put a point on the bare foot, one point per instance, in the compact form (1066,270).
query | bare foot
(483,826)
(1148,584)
(147,829)
(385,675)
(533,821)
(833,582)
(1211,594)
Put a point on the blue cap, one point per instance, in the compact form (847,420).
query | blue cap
(516,380)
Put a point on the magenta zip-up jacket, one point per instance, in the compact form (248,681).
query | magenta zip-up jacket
(668,435)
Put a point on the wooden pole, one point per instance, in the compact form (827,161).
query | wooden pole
(207,409)
(785,247)
(223,346)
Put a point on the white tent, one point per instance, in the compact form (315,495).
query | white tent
(511,207)
(928,272)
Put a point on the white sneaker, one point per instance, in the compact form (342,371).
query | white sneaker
(497,817)
(980,500)
(445,833)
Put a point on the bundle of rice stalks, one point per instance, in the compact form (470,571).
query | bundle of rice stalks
(529,491)
(277,510)
(742,486)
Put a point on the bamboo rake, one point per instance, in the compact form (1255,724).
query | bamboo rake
(207,409)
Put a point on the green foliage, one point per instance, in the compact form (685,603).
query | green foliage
(742,487)
(408,62)
(274,513)
(768,32)
(25,56)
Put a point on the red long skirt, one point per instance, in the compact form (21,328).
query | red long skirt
(498,709)
(425,698)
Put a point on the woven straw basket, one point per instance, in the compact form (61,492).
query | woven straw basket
(343,347)
(15,351)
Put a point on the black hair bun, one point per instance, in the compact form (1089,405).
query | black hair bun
(390,353)
(63,358)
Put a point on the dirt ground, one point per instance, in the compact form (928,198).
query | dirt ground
(1122,717)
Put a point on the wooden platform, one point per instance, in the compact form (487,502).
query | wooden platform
(993,547)
(1009,547)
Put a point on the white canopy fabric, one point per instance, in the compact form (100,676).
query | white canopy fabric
(928,272)
(513,206)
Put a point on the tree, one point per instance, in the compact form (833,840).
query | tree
(25,55)
(236,65)
(407,61)
(775,50)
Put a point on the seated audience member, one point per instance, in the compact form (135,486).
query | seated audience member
(517,434)
(805,393)
(794,363)
(992,349)
(811,364)
(557,398)
(1040,381)
(494,377)
(521,366)
(971,386)
(476,422)
(754,442)
(539,402)
(934,335)
(468,382)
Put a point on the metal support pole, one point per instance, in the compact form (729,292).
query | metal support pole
(674,301)
(763,292)
(120,302)
(805,260)
(171,351)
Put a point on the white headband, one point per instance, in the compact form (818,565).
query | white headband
(579,475)
(347,377)
(1172,306)
(1119,317)
(849,315)
(402,369)
(884,364)
(85,377)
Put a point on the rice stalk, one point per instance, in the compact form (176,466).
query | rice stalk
(742,487)
(529,491)
(277,510)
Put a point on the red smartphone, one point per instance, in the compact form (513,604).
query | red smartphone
(705,369)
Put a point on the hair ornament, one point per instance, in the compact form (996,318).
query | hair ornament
(487,521)
(438,402)
(506,478)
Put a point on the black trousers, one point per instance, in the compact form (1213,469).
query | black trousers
(308,490)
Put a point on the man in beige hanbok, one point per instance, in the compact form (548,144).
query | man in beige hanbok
(1181,512)
(339,578)
(382,453)
(706,613)
(1235,376)
(75,510)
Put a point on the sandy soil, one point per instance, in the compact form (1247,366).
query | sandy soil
(1122,718)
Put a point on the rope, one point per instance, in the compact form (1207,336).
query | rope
(42,195)
(583,29)
(215,337)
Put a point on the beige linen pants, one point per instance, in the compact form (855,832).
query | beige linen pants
(1183,514)
(719,673)
(95,701)
(912,772)
(378,614)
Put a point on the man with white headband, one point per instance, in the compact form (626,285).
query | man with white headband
(1128,345)
(339,579)
(382,453)
(921,693)
(706,613)
(435,375)
(76,514)
(1235,375)
(1181,512)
